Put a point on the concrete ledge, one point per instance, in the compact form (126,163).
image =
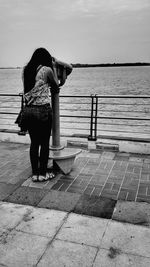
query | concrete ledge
(132,212)
(134,146)
(14,137)
(107,146)
(77,144)
(125,138)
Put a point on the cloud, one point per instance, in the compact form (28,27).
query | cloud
(131,6)
(102,9)
(66,9)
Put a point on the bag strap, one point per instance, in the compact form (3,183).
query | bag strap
(38,68)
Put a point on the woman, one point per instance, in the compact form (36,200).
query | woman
(39,78)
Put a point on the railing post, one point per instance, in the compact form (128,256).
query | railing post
(91,119)
(96,109)
(22,100)
(93,122)
(22,131)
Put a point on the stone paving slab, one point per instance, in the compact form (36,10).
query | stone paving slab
(22,249)
(132,212)
(6,190)
(11,214)
(40,237)
(42,222)
(128,238)
(27,195)
(83,230)
(25,233)
(115,258)
(59,200)
(68,254)
(95,206)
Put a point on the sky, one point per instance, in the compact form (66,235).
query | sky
(75,31)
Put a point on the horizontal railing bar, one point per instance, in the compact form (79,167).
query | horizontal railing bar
(119,111)
(74,109)
(98,117)
(72,122)
(77,122)
(122,118)
(94,95)
(69,122)
(68,128)
(8,124)
(10,117)
(9,113)
(71,116)
(122,104)
(116,120)
(124,131)
(123,96)
(77,103)
(6,118)
(125,125)
(75,96)
(68,103)
(10,95)
(11,101)
(107,96)
(9,107)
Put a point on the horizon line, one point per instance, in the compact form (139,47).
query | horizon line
(90,64)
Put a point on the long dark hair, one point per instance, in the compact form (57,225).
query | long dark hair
(40,57)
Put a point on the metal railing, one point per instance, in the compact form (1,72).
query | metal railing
(10,105)
(125,117)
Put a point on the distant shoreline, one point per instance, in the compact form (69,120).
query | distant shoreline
(5,68)
(80,65)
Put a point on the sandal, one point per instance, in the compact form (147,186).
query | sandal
(43,178)
(40,178)
(46,177)
(34,178)
(51,175)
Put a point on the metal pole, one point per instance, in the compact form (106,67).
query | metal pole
(63,157)
(55,123)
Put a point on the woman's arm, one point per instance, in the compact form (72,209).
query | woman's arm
(63,78)
(52,80)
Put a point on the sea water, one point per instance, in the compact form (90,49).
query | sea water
(87,81)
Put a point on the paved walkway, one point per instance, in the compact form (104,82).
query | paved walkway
(39,237)
(97,216)
(102,184)
(113,175)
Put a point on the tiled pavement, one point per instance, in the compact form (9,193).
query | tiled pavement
(58,230)
(98,179)
(40,237)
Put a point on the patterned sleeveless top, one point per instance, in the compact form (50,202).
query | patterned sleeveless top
(40,93)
